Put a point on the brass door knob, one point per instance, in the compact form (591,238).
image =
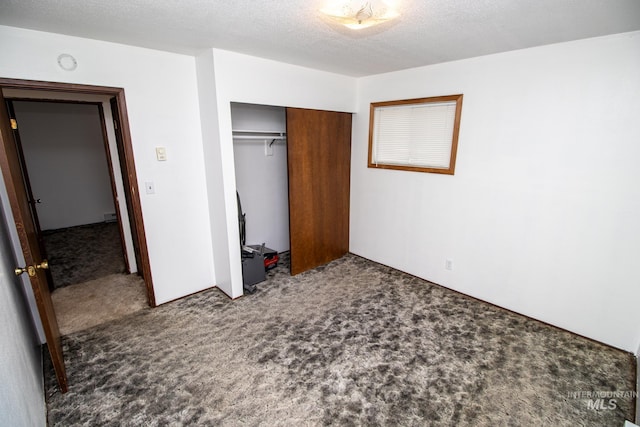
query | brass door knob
(31,269)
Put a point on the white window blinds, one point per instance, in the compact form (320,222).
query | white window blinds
(416,135)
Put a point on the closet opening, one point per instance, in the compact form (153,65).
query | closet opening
(292,170)
(260,159)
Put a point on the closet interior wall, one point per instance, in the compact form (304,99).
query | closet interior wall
(260,156)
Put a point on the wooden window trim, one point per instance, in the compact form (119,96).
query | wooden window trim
(454,143)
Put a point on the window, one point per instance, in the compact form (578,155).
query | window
(415,134)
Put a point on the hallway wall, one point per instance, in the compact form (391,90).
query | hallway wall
(65,154)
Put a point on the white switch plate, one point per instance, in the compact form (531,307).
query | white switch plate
(161,154)
(150,187)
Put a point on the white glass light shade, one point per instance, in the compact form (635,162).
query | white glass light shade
(359,14)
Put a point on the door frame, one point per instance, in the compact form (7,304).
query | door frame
(128,163)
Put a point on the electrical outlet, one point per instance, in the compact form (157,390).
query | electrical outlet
(448,264)
(150,187)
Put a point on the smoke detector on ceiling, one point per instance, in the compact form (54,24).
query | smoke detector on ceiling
(67,62)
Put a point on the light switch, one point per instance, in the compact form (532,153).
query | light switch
(161,154)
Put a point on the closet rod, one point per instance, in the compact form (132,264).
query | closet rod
(259,137)
(259,132)
(242,134)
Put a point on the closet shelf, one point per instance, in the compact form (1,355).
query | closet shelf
(258,134)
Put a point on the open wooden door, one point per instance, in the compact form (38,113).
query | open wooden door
(27,232)
(319,159)
(32,200)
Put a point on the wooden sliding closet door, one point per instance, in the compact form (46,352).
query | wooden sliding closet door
(318,157)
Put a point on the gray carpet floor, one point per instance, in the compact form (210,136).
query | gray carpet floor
(83,253)
(350,343)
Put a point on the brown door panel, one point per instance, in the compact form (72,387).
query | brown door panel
(27,233)
(319,158)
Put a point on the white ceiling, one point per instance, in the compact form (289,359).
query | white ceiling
(292,31)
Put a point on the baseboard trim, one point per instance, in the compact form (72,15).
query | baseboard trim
(187,296)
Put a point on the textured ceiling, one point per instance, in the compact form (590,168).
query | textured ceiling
(292,31)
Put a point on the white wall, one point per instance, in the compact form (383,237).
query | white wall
(21,388)
(261,180)
(214,178)
(65,154)
(242,78)
(162,103)
(541,216)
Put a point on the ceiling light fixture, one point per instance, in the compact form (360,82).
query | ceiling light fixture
(359,14)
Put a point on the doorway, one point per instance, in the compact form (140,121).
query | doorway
(24,217)
(86,237)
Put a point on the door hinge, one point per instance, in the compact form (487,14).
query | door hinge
(14,124)
(115,124)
